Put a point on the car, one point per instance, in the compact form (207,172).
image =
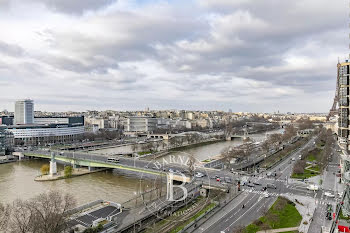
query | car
(293,159)
(263,188)
(266,195)
(271,186)
(329,194)
(313,187)
(269,174)
(171,170)
(199,175)
(218,179)
(228,180)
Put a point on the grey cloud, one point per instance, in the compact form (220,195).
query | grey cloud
(75,6)
(10,49)
(262,52)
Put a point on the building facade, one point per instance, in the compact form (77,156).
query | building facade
(344,127)
(140,124)
(24,112)
(51,130)
(6,140)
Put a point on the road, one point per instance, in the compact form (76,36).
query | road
(234,216)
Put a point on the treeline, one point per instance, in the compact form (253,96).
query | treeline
(321,150)
(272,142)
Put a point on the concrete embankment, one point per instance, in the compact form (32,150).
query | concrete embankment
(60,175)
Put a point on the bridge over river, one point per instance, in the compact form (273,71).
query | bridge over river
(136,166)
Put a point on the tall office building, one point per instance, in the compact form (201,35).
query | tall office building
(343,95)
(343,91)
(24,112)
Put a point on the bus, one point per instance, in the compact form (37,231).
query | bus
(113,160)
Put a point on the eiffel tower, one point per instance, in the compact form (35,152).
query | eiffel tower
(334,111)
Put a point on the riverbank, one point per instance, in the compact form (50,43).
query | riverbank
(195,145)
(60,175)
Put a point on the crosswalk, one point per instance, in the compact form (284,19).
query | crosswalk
(260,192)
(323,201)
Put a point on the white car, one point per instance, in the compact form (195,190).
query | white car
(328,194)
(199,175)
(266,195)
(312,187)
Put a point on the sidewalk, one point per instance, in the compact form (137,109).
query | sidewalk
(279,230)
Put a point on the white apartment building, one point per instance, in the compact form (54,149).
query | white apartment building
(140,124)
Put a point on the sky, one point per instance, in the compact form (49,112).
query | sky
(244,55)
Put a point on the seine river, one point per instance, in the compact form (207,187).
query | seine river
(17,179)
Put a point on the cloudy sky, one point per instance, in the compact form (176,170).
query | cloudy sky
(247,55)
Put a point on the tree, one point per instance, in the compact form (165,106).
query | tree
(272,218)
(228,154)
(45,213)
(22,218)
(305,124)
(45,169)
(238,229)
(68,171)
(289,132)
(5,212)
(299,167)
(265,146)
(134,147)
(275,138)
(191,164)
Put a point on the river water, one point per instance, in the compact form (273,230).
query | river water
(17,179)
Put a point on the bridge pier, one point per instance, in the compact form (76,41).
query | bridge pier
(92,168)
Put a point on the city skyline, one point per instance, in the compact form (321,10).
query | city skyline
(208,55)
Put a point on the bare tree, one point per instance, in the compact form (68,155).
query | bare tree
(46,213)
(134,147)
(5,212)
(227,155)
(191,164)
(275,138)
(238,229)
(265,146)
(22,217)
